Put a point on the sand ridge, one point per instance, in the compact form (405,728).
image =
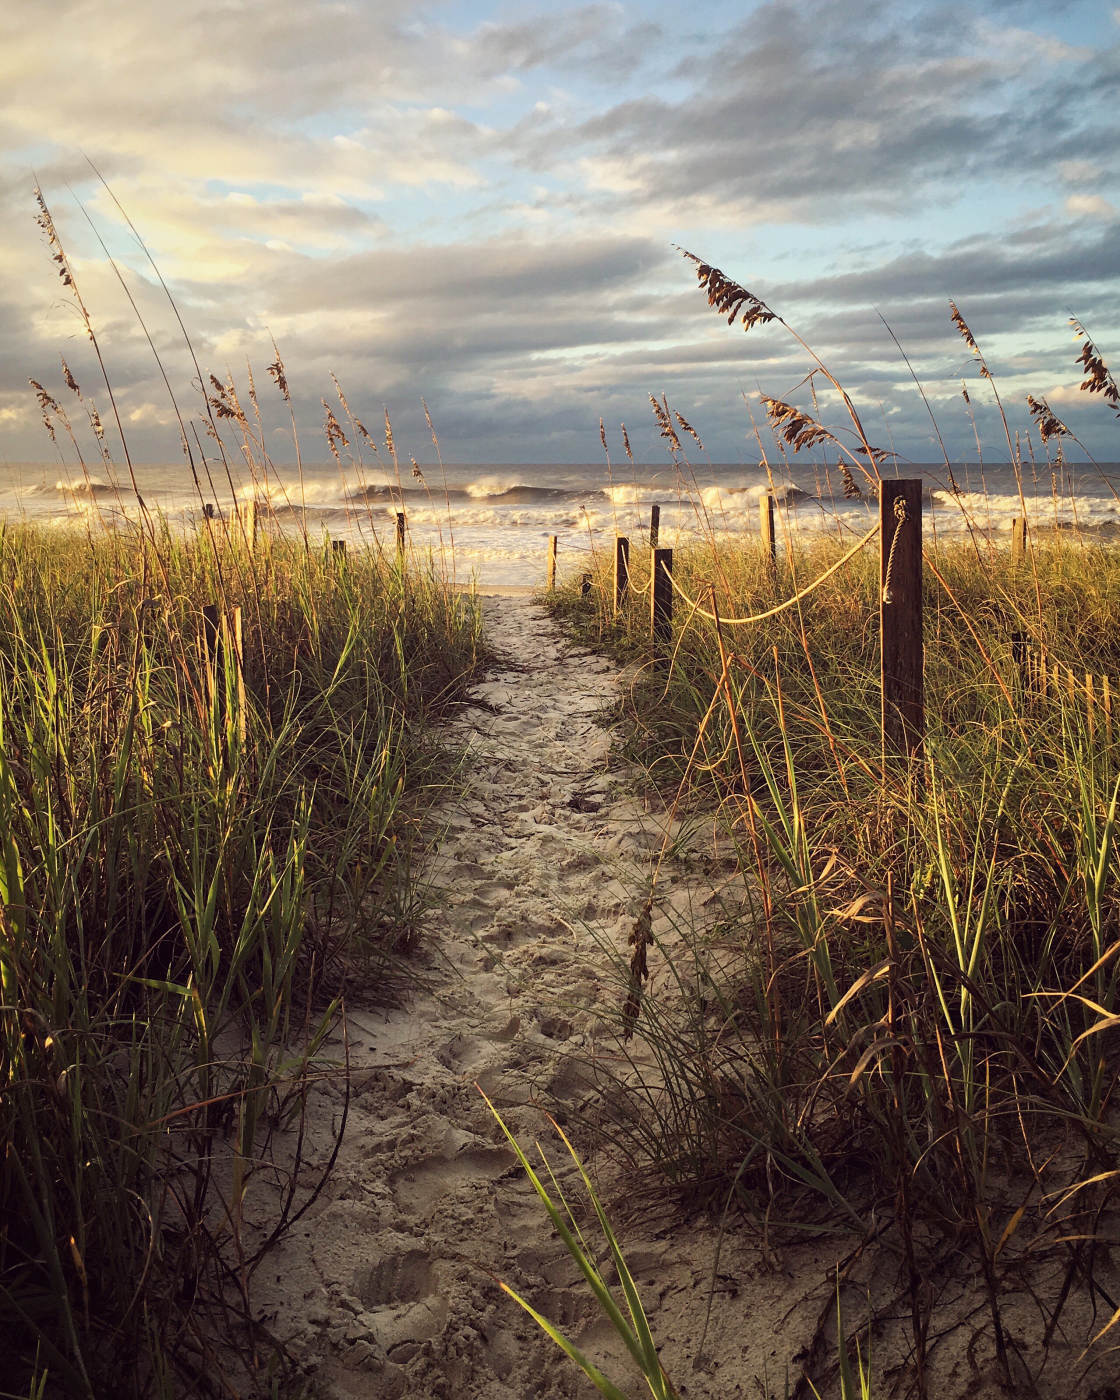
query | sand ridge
(388,1286)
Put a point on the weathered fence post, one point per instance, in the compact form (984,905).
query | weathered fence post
(1018,539)
(621,570)
(553,540)
(654,525)
(900,616)
(236,632)
(338,550)
(661,600)
(585,585)
(400,536)
(766,529)
(212,650)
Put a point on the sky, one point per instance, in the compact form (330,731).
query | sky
(481,204)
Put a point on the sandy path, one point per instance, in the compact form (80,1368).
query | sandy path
(384,1288)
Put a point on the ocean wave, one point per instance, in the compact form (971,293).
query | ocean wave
(86,486)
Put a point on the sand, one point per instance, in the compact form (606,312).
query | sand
(387,1287)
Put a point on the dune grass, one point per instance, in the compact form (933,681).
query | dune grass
(908,1026)
(191,857)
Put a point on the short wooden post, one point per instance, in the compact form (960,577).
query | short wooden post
(661,601)
(400,536)
(247,518)
(1018,539)
(553,540)
(766,528)
(338,549)
(1020,656)
(208,512)
(585,585)
(900,616)
(621,570)
(654,525)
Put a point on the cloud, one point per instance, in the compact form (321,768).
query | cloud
(481,208)
(1093,206)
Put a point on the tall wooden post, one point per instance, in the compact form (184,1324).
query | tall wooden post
(766,528)
(654,525)
(900,616)
(621,570)
(400,536)
(237,641)
(661,601)
(1018,539)
(212,651)
(552,543)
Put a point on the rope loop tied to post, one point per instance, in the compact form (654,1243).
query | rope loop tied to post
(900,518)
(789,602)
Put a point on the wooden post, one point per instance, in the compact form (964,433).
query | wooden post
(212,650)
(661,600)
(766,527)
(1018,539)
(247,518)
(400,536)
(585,585)
(237,642)
(654,525)
(900,616)
(621,570)
(1020,656)
(338,549)
(552,543)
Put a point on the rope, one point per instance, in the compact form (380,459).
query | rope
(789,602)
(900,518)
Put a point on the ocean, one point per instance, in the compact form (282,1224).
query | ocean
(492,523)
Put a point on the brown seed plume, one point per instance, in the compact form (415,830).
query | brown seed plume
(1049,425)
(797,428)
(968,338)
(626,442)
(665,423)
(728,297)
(1098,376)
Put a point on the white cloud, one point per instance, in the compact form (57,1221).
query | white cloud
(1093,206)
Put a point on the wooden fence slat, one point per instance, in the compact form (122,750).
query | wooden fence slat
(553,541)
(654,525)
